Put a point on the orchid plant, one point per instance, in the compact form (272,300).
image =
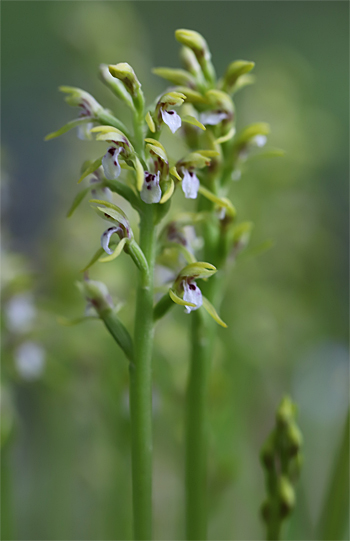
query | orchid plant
(137,167)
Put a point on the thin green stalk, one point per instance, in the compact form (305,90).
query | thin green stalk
(203,341)
(202,338)
(141,387)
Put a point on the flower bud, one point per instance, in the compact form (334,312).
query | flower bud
(97,295)
(286,495)
(199,46)
(79,98)
(195,42)
(286,412)
(126,74)
(190,61)
(115,85)
(234,71)
(175,76)
(294,438)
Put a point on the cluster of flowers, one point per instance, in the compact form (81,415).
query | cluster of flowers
(201,107)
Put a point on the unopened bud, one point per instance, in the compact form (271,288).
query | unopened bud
(234,71)
(287,496)
(97,295)
(195,42)
(126,74)
(267,452)
(294,438)
(286,412)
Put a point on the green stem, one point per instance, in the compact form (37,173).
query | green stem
(141,387)
(202,338)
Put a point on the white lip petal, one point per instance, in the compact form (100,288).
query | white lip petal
(83,131)
(212,118)
(260,140)
(172,119)
(190,184)
(151,192)
(192,294)
(110,163)
(106,237)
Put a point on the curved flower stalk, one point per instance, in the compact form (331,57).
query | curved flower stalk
(136,166)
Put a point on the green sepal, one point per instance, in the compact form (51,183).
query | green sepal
(163,306)
(69,126)
(242,82)
(199,269)
(77,95)
(116,86)
(150,122)
(158,150)
(269,153)
(137,255)
(168,192)
(212,312)
(66,322)
(110,212)
(125,191)
(94,258)
(175,298)
(220,201)
(80,196)
(111,134)
(119,332)
(182,249)
(91,169)
(117,251)
(234,71)
(245,136)
(175,76)
(192,120)
(125,73)
(191,96)
(220,100)
(174,99)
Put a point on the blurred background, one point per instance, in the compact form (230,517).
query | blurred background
(64,399)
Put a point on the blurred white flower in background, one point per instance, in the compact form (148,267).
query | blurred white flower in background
(30,360)
(20,313)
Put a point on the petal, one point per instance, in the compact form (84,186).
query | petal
(106,237)
(190,184)
(212,118)
(260,140)
(151,192)
(172,119)
(117,251)
(83,131)
(110,163)
(192,294)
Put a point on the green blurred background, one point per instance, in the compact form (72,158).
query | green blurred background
(65,427)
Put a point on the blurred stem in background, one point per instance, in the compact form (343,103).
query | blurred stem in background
(335,513)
